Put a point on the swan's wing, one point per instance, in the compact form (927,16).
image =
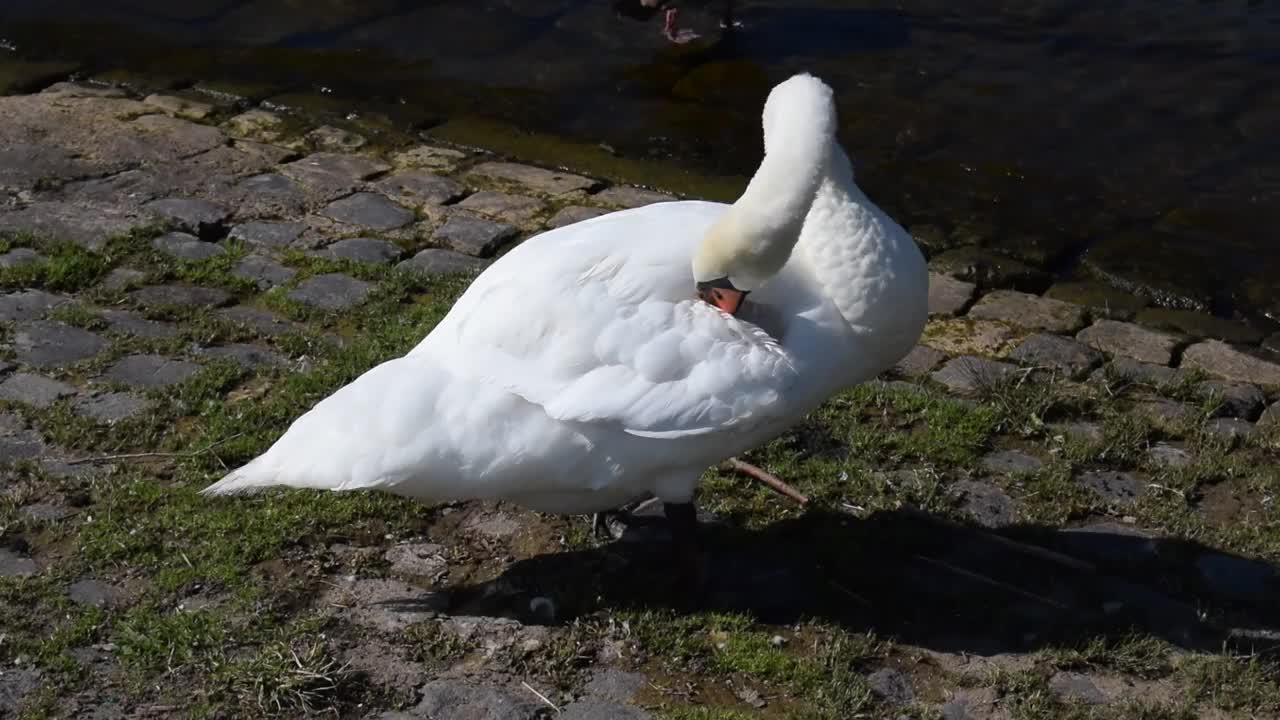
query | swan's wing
(608,332)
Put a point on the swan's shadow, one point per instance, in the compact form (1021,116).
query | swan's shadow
(921,580)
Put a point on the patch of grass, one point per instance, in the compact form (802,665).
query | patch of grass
(1025,402)
(78,315)
(824,673)
(846,450)
(1125,437)
(704,713)
(1234,684)
(430,643)
(563,660)
(63,267)
(213,271)
(1051,495)
(284,677)
(1026,694)
(180,537)
(1136,655)
(41,624)
(151,639)
(309,265)
(914,425)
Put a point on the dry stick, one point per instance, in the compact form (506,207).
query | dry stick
(1037,550)
(541,697)
(140,456)
(991,581)
(768,479)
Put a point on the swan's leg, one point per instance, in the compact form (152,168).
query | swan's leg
(690,566)
(727,23)
(600,525)
(601,522)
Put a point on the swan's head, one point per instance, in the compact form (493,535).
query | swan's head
(754,238)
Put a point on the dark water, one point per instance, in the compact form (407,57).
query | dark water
(1134,141)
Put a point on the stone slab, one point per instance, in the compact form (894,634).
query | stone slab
(430,157)
(127,322)
(263,271)
(948,296)
(920,361)
(474,235)
(629,196)
(418,188)
(548,182)
(150,371)
(365,250)
(1218,358)
(261,322)
(87,225)
(109,408)
(197,216)
(1029,311)
(331,291)
(1120,488)
(35,390)
(369,211)
(573,214)
(28,305)
(970,374)
(1129,340)
(505,207)
(47,343)
(1073,359)
(181,296)
(434,261)
(182,246)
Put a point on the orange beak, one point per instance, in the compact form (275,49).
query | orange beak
(722,294)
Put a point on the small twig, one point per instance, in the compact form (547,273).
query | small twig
(855,596)
(541,697)
(768,479)
(991,581)
(1255,634)
(140,456)
(1168,489)
(1030,549)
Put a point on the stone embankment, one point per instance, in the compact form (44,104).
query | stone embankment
(171,257)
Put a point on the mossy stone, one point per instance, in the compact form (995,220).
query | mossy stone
(1199,325)
(1101,299)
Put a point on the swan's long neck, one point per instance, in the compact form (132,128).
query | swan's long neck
(754,239)
(866,264)
(778,197)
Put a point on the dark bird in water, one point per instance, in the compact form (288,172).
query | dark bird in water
(643,10)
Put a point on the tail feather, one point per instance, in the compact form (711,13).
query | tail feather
(247,479)
(369,432)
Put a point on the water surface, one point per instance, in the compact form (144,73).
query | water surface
(1137,141)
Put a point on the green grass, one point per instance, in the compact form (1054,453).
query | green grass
(284,677)
(154,527)
(1246,685)
(1134,655)
(179,537)
(262,647)
(42,624)
(63,267)
(822,676)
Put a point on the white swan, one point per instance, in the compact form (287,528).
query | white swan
(580,372)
